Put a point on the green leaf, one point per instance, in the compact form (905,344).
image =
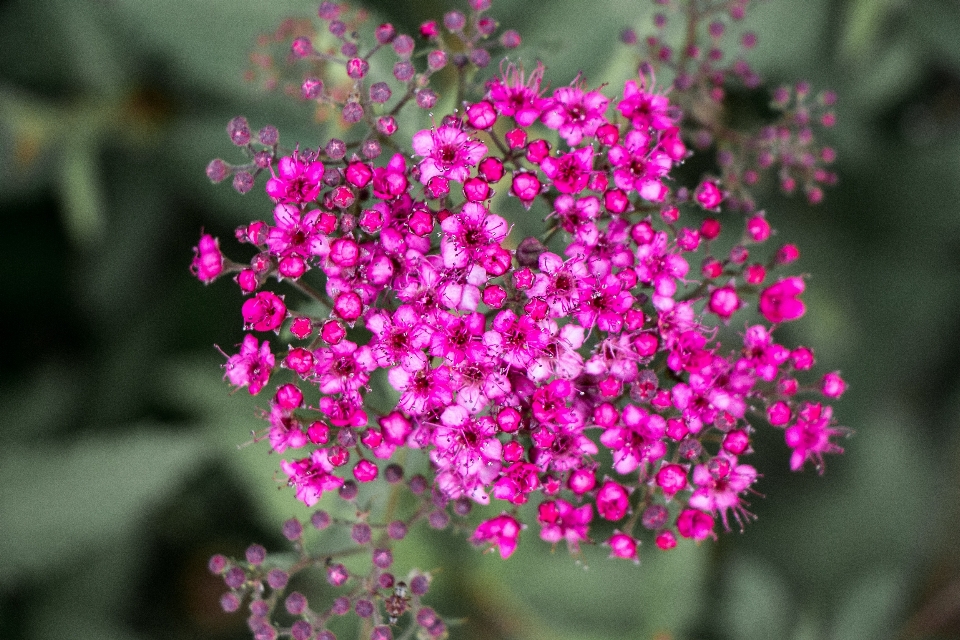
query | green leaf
(756,602)
(869,607)
(57,503)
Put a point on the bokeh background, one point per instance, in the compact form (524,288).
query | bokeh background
(119,467)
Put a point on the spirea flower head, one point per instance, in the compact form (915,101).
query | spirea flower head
(619,364)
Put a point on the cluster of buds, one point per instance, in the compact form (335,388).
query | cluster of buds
(581,370)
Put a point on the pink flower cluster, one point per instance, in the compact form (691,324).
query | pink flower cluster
(513,369)
(616,368)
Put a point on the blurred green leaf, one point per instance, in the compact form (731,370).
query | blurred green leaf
(755,603)
(56,503)
(82,193)
(869,606)
(864,20)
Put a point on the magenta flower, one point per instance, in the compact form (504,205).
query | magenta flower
(311,476)
(780,302)
(570,172)
(639,439)
(516,96)
(448,152)
(575,113)
(612,501)
(297,180)
(645,110)
(695,524)
(502,531)
(343,367)
(264,311)
(251,367)
(719,485)
(810,436)
(560,520)
(207,262)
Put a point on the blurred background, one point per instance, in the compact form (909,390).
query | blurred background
(120,472)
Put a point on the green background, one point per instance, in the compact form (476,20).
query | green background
(119,470)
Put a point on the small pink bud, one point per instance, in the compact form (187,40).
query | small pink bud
(833,385)
(299,360)
(476,189)
(672,478)
(429,30)
(508,420)
(616,201)
(288,397)
(710,228)
(490,169)
(311,89)
(788,253)
(512,451)
(438,187)
(622,546)
(387,125)
(516,138)
(385,33)
(333,332)
(348,306)
(665,540)
(646,344)
(724,302)
(736,442)
(708,195)
(802,358)
(494,295)
(510,39)
(426,98)
(581,481)
(608,134)
(301,47)
(481,115)
(779,413)
(217,170)
(352,112)
(538,150)
(292,267)
(365,471)
(712,268)
(755,274)
(526,187)
(758,228)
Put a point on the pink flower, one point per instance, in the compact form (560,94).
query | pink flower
(251,367)
(637,440)
(311,476)
(780,302)
(516,96)
(448,152)
(343,367)
(810,436)
(575,113)
(695,524)
(612,501)
(708,195)
(503,531)
(719,485)
(559,520)
(297,180)
(207,262)
(724,302)
(570,172)
(645,110)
